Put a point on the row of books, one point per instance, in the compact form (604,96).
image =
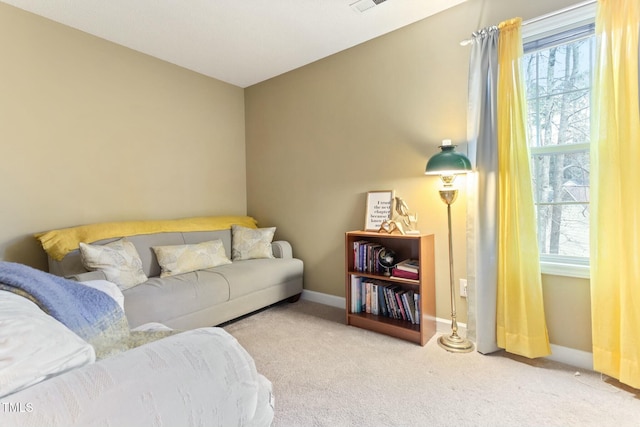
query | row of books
(365,257)
(384,299)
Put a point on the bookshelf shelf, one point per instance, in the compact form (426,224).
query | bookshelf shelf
(417,247)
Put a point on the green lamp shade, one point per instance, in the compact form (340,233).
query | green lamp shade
(447,162)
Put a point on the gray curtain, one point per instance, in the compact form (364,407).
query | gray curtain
(482,202)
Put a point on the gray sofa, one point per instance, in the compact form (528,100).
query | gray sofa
(201,298)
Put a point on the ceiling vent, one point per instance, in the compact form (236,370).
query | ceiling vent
(362,5)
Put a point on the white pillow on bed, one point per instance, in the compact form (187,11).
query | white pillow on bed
(34,346)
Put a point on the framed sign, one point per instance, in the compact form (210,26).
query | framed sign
(378,209)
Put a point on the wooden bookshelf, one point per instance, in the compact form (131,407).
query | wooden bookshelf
(419,247)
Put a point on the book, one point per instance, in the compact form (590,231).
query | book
(405,296)
(391,301)
(372,298)
(401,311)
(359,255)
(387,301)
(367,297)
(411,305)
(405,274)
(356,298)
(378,269)
(410,265)
(372,259)
(382,302)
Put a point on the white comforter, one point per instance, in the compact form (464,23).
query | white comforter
(202,377)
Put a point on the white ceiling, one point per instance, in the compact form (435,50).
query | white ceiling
(241,42)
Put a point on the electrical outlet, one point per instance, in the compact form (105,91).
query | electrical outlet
(463,288)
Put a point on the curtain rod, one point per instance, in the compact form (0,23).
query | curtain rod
(540,18)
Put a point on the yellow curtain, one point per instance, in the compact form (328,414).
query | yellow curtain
(521,325)
(615,203)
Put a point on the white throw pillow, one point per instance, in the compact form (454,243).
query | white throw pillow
(108,288)
(250,243)
(177,259)
(119,261)
(34,346)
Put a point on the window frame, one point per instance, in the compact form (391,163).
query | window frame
(535,29)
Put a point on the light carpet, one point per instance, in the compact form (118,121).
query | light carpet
(325,373)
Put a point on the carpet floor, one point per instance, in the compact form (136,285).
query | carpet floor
(327,374)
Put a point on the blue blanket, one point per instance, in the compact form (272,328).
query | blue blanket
(93,315)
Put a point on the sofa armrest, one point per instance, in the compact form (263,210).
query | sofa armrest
(282,249)
(199,377)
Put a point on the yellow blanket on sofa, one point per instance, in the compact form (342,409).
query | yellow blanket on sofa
(58,243)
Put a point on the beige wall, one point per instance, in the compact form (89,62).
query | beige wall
(92,131)
(320,137)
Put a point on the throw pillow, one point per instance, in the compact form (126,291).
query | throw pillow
(178,259)
(34,346)
(250,243)
(119,261)
(108,288)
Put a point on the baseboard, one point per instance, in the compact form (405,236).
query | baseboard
(326,299)
(566,355)
(571,356)
(443,326)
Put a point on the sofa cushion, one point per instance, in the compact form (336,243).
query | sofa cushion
(178,259)
(161,299)
(34,346)
(248,276)
(251,243)
(118,260)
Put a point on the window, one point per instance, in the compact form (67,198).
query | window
(558,63)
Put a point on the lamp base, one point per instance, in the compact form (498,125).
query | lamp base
(455,343)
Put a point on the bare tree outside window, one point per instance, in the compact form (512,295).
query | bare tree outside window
(558,86)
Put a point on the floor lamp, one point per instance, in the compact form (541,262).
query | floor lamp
(448,163)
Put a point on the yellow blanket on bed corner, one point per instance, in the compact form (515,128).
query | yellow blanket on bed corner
(58,243)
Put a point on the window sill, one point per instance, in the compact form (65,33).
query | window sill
(567,270)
